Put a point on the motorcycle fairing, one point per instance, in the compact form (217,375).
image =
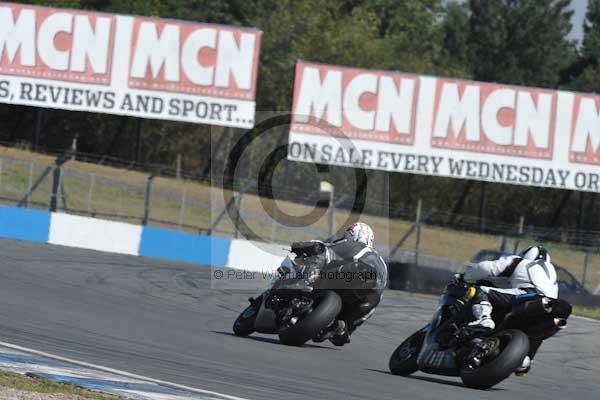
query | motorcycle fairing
(432,358)
(266,320)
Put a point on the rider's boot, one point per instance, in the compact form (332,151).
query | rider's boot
(335,328)
(341,335)
(524,368)
(482,312)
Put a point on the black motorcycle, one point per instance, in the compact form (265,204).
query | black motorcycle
(295,309)
(449,346)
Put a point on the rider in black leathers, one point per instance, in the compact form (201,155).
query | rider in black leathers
(355,270)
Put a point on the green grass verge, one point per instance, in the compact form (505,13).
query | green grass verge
(589,312)
(40,385)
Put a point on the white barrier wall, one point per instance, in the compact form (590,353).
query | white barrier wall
(255,256)
(95,234)
(122,238)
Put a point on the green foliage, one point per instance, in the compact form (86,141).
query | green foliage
(510,41)
(587,69)
(456,51)
(520,41)
(591,30)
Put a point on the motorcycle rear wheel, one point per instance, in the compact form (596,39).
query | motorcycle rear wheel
(307,327)
(403,361)
(491,373)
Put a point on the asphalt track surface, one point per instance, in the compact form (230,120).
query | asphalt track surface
(163,320)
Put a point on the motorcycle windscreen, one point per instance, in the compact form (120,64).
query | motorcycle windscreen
(543,277)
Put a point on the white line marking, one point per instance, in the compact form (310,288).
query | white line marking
(117,372)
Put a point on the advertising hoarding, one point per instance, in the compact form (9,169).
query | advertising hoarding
(446,127)
(126,65)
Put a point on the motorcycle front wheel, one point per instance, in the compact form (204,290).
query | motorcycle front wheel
(403,361)
(244,324)
(515,346)
(325,309)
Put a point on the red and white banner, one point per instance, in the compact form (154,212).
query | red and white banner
(126,65)
(447,127)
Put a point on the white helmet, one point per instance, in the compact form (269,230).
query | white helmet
(360,232)
(535,253)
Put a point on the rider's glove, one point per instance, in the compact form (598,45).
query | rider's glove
(308,249)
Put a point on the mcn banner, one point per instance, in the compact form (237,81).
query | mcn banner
(118,64)
(446,127)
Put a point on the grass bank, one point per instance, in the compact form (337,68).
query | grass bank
(589,312)
(30,385)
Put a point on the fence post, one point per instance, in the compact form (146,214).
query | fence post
(503,243)
(56,181)
(74,148)
(580,216)
(1,163)
(29,184)
(482,198)
(418,224)
(326,188)
(55,187)
(91,193)
(519,234)
(63,194)
(182,208)
(120,203)
(138,140)
(238,212)
(148,201)
(586,262)
(38,127)
(178,170)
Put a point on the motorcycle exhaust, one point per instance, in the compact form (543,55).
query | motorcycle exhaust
(560,323)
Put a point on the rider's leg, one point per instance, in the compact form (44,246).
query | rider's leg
(337,327)
(534,345)
(355,314)
(492,304)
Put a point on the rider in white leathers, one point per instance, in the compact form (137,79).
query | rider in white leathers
(531,272)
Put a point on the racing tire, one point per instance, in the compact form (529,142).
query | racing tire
(403,361)
(244,323)
(501,367)
(320,316)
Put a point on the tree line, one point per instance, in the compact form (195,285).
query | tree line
(523,42)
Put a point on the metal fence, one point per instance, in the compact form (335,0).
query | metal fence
(140,198)
(416,235)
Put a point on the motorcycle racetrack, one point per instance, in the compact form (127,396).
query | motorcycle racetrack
(163,320)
